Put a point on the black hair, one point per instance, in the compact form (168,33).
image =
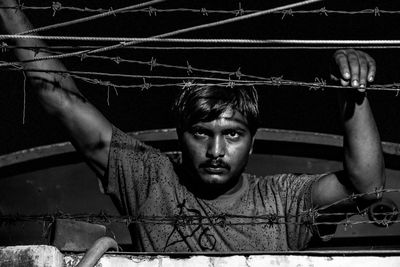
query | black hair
(207,103)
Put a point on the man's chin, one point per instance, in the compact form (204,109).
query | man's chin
(216,179)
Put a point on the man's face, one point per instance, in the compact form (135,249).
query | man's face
(217,151)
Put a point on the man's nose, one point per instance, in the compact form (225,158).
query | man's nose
(216,147)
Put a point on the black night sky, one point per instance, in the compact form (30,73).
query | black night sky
(284,107)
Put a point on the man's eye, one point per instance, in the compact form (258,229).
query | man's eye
(199,133)
(233,134)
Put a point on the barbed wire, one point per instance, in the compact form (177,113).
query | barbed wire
(152,11)
(110,12)
(190,81)
(184,40)
(234,78)
(176,32)
(312,217)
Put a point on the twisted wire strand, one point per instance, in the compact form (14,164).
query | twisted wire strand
(94,17)
(200,40)
(180,31)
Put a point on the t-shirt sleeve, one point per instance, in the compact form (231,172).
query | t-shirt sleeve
(133,167)
(296,193)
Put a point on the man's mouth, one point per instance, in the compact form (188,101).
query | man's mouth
(214,170)
(215,167)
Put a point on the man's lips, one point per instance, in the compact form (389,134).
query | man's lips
(214,170)
(215,167)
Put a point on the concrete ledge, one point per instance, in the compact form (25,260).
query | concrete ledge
(31,256)
(48,256)
(239,261)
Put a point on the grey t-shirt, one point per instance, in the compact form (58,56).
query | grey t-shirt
(266,214)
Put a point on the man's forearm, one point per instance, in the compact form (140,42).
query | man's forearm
(15,21)
(363,159)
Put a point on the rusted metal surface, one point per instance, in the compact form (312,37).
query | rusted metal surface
(77,236)
(263,134)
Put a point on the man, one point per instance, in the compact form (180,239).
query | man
(206,202)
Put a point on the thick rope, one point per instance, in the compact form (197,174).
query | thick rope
(211,41)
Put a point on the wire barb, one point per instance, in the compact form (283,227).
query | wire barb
(287,12)
(203,11)
(240,11)
(152,11)
(56,6)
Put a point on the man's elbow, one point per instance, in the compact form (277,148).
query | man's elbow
(368,181)
(371,187)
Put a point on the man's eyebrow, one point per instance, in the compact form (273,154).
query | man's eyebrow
(243,122)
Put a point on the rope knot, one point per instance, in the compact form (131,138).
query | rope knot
(240,10)
(152,11)
(377,12)
(287,12)
(153,63)
(56,6)
(323,11)
(203,11)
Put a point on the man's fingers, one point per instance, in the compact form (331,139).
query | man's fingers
(356,68)
(371,68)
(341,61)
(354,65)
(363,66)
(344,82)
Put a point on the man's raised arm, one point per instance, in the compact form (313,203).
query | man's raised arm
(90,131)
(364,169)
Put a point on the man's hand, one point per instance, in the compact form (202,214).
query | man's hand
(356,68)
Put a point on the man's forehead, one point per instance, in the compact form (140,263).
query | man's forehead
(228,116)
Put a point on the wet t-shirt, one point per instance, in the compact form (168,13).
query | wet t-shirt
(265,214)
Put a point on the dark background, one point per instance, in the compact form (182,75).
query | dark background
(282,107)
